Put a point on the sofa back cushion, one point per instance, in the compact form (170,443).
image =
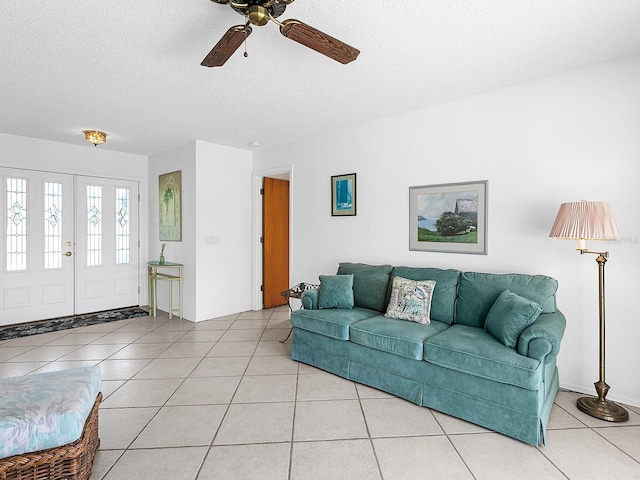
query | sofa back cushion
(444,295)
(478,291)
(371,287)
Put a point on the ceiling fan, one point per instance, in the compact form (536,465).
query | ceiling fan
(258,13)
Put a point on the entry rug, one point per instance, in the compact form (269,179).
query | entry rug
(55,324)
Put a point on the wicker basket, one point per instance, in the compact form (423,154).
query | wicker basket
(68,462)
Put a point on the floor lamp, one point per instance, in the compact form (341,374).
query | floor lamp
(592,221)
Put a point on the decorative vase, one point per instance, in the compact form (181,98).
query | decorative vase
(161,262)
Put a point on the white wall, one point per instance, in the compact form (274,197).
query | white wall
(181,158)
(216,202)
(85,159)
(559,139)
(223,230)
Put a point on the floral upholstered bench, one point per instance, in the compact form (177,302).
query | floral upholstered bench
(49,424)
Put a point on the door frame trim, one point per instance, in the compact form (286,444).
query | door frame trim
(256,228)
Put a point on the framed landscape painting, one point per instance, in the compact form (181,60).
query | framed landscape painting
(450,217)
(343,195)
(170,203)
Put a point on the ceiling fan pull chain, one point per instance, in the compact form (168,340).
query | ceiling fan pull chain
(246,17)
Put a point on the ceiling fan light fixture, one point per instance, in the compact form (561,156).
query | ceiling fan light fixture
(258,15)
(96,137)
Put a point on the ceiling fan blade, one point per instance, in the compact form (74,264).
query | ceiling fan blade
(228,44)
(318,41)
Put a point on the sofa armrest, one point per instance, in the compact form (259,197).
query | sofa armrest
(309,299)
(542,339)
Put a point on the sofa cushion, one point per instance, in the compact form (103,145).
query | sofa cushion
(330,322)
(46,410)
(336,291)
(444,295)
(478,291)
(473,351)
(394,336)
(410,300)
(509,316)
(370,284)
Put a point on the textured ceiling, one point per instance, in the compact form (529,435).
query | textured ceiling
(132,68)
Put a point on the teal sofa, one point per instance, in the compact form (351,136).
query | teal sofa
(453,365)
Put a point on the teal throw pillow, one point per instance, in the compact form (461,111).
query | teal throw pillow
(411,300)
(336,291)
(510,314)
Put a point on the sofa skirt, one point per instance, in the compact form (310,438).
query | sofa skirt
(512,410)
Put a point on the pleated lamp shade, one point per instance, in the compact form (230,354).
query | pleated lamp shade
(585,221)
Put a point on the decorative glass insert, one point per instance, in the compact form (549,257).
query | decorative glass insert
(123,238)
(52,225)
(16,224)
(94,225)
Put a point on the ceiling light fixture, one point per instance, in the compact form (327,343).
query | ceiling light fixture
(94,136)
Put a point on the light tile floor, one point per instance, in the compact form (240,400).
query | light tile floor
(221,399)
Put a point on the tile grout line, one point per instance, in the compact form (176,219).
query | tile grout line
(211,445)
(293,422)
(595,430)
(366,425)
(455,449)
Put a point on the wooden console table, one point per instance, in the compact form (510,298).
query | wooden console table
(155,274)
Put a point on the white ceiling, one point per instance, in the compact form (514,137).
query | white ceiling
(132,67)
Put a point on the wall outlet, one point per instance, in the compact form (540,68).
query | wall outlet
(212,240)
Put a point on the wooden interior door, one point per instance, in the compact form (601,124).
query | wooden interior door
(275,241)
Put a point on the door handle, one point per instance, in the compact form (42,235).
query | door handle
(68,254)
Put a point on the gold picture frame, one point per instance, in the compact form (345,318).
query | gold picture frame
(170,206)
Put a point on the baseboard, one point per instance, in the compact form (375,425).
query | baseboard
(590,390)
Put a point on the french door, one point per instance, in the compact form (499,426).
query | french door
(70,245)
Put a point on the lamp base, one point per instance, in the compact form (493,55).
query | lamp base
(602,409)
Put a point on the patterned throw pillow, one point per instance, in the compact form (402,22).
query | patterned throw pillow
(411,300)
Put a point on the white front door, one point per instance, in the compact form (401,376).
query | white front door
(69,245)
(37,271)
(106,244)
